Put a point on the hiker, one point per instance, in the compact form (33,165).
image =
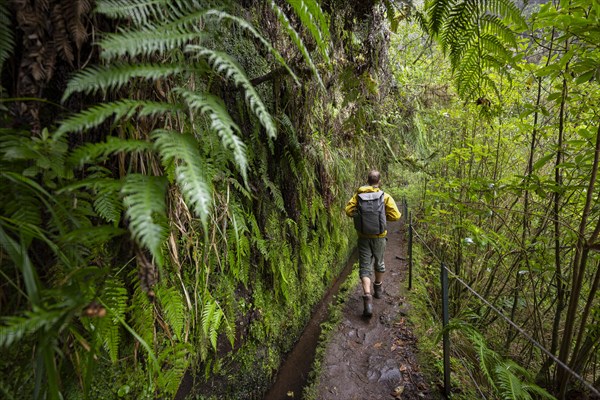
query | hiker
(371,208)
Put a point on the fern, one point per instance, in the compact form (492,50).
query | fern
(142,312)
(114,297)
(242,23)
(13,329)
(96,115)
(146,209)
(212,317)
(140,12)
(223,63)
(221,123)
(477,37)
(295,37)
(107,202)
(171,302)
(190,171)
(95,79)
(98,152)
(7,41)
(145,42)
(312,17)
(174,361)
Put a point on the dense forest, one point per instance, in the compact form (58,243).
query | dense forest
(174,174)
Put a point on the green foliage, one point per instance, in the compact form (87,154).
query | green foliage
(221,122)
(190,172)
(224,64)
(144,200)
(6,36)
(477,37)
(173,308)
(97,115)
(508,379)
(296,39)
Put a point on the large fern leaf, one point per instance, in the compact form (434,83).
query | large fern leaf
(7,41)
(297,40)
(173,308)
(96,115)
(144,199)
(145,42)
(224,64)
(190,171)
(98,152)
(221,123)
(477,36)
(140,12)
(115,76)
(313,19)
(114,297)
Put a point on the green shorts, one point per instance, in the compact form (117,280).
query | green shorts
(370,252)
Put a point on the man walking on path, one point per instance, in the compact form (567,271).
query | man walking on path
(371,208)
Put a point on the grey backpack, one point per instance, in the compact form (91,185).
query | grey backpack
(370,218)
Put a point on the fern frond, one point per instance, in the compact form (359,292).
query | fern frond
(171,302)
(107,202)
(92,237)
(94,152)
(438,11)
(242,23)
(7,41)
(212,316)
(13,329)
(114,297)
(101,78)
(96,115)
(146,209)
(505,9)
(313,19)
(142,313)
(140,12)
(174,361)
(538,392)
(222,63)
(295,37)
(508,383)
(477,35)
(220,122)
(190,171)
(144,42)
(493,25)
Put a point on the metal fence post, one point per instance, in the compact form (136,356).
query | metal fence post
(446,336)
(410,250)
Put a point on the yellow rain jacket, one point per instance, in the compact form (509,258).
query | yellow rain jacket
(391,210)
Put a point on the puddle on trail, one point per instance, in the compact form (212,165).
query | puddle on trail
(294,371)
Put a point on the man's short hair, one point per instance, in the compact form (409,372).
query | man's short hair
(374,177)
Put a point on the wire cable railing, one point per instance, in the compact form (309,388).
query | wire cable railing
(447,272)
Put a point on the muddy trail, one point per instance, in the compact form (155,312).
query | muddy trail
(372,358)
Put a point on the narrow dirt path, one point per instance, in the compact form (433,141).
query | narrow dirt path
(376,358)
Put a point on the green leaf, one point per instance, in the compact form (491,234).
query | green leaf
(190,172)
(144,199)
(543,161)
(222,63)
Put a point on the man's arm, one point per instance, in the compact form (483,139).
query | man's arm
(391,210)
(351,206)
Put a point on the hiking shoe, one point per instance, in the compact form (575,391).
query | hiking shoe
(368,303)
(378,290)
